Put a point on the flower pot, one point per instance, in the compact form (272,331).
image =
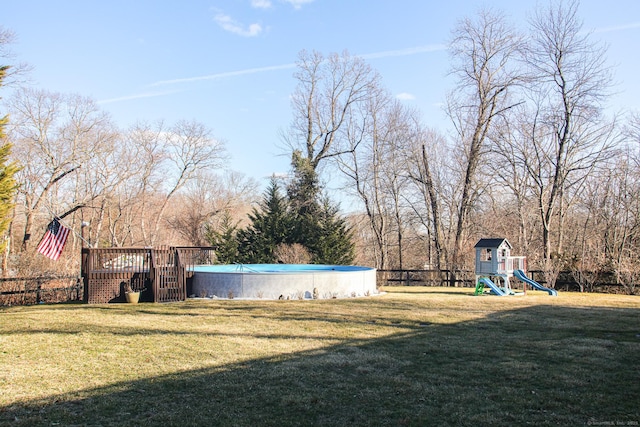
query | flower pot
(132,297)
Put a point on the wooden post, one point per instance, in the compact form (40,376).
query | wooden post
(38,290)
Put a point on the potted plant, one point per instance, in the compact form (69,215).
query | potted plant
(132,296)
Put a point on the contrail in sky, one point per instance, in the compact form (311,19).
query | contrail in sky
(405,52)
(617,28)
(223,75)
(137,96)
(376,55)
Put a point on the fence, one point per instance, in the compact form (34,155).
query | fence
(465,278)
(462,278)
(35,290)
(160,274)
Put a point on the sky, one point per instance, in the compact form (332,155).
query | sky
(229,64)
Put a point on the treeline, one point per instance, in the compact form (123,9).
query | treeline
(531,155)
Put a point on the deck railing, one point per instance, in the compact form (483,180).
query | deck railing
(161,274)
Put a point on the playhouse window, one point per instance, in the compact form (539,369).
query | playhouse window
(485,255)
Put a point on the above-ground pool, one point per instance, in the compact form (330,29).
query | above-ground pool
(283,281)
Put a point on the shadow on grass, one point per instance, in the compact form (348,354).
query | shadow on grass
(536,365)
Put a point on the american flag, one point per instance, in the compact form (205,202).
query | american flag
(53,240)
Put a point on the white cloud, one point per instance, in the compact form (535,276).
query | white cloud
(261,4)
(297,4)
(404,96)
(229,24)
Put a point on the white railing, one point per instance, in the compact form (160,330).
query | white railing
(510,264)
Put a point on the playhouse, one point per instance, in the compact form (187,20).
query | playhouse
(495,268)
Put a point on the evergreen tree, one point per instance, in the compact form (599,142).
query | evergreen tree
(7,171)
(304,188)
(270,226)
(303,192)
(333,239)
(224,241)
(299,218)
(316,225)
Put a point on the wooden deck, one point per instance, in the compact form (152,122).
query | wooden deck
(161,274)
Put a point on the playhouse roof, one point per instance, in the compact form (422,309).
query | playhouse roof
(492,243)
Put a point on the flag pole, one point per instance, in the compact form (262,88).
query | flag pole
(75,233)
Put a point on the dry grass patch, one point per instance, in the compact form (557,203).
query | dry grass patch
(414,356)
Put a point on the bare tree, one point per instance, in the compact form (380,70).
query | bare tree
(17,73)
(422,161)
(595,219)
(147,150)
(362,167)
(206,199)
(614,205)
(167,159)
(54,136)
(483,54)
(108,179)
(569,136)
(400,130)
(510,150)
(192,150)
(327,92)
(375,172)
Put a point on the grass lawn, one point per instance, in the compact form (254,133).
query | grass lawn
(412,357)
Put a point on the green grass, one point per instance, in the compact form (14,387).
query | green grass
(415,357)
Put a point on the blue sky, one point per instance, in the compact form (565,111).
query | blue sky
(229,63)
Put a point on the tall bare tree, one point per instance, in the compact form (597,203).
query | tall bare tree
(328,89)
(54,136)
(484,51)
(511,147)
(108,181)
(331,94)
(375,171)
(424,168)
(569,135)
(366,168)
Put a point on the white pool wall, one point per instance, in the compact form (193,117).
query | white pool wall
(328,281)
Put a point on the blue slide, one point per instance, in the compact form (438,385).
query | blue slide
(521,276)
(494,288)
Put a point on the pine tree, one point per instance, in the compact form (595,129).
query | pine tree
(7,172)
(270,226)
(224,241)
(317,224)
(300,219)
(333,239)
(304,188)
